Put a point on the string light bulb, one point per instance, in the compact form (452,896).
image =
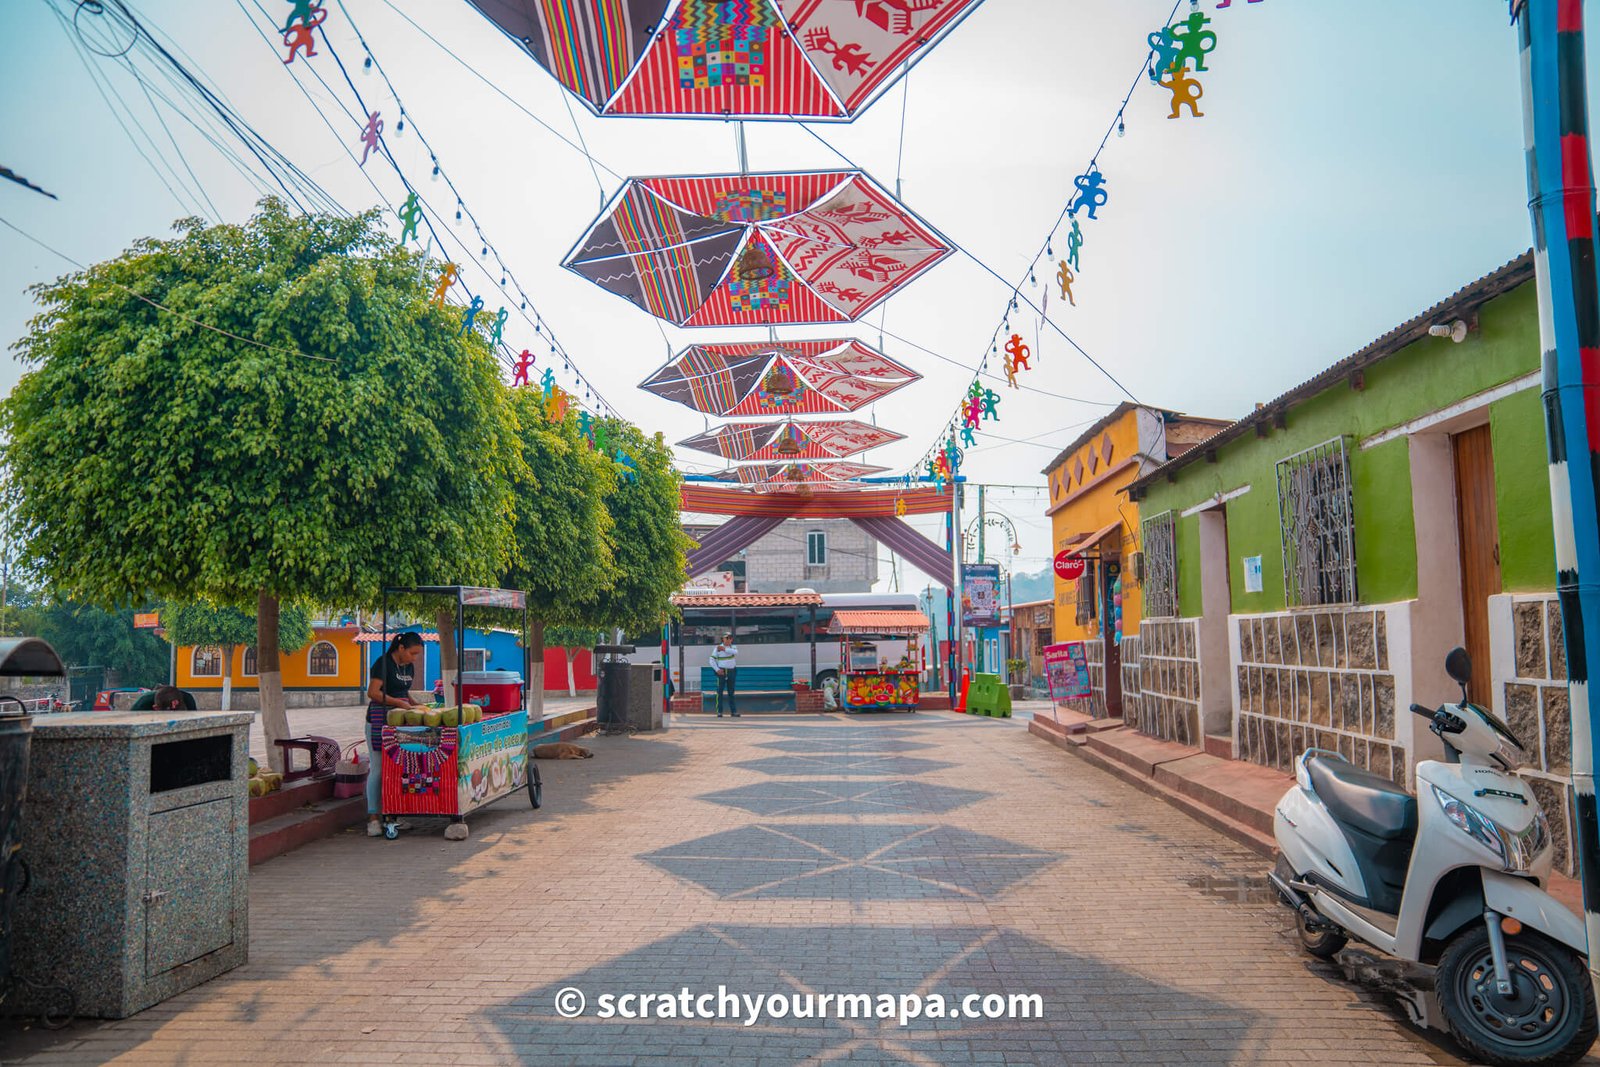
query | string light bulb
(366,65)
(1121,129)
(400,127)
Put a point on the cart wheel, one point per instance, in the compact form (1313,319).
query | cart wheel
(391,831)
(535,789)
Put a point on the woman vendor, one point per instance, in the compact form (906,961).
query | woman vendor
(392,675)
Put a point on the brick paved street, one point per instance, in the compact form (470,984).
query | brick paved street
(779,854)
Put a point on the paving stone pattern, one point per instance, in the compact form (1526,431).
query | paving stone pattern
(973,858)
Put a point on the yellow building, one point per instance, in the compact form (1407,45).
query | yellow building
(1092,518)
(329,668)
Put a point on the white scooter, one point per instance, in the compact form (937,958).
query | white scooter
(1452,877)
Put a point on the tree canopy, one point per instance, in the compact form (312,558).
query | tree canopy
(647,542)
(302,422)
(207,624)
(88,636)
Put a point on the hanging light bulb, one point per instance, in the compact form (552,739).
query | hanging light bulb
(1121,129)
(436,172)
(485,251)
(458,212)
(1048,251)
(400,127)
(366,65)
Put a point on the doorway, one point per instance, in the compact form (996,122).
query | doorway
(1109,573)
(1479,528)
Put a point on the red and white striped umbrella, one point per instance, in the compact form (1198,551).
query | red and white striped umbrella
(756,249)
(808,59)
(780,476)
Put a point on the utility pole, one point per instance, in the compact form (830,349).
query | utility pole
(1561,201)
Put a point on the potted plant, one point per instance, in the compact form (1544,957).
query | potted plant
(800,687)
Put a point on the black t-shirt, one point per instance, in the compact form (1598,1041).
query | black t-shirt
(396,677)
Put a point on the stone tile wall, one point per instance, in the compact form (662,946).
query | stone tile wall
(1318,678)
(1533,701)
(1169,668)
(1132,678)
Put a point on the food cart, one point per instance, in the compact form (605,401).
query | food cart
(459,766)
(880,658)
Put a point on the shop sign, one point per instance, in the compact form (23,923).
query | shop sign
(1069,568)
(1066,668)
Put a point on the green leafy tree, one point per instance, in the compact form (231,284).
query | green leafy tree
(225,627)
(85,635)
(302,424)
(647,542)
(564,557)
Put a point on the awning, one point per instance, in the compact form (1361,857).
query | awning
(1088,541)
(747,600)
(877,622)
(378,638)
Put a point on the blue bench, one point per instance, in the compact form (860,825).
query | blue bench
(754,680)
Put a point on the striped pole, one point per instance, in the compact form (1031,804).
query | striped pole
(1561,200)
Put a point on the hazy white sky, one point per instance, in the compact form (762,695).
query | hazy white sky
(1356,162)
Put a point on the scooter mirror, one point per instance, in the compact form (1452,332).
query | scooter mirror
(1458,665)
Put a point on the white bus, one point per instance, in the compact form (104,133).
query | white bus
(768,635)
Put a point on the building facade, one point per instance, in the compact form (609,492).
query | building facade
(1331,547)
(1032,630)
(826,555)
(1092,518)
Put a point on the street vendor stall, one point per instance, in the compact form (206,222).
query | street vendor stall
(880,659)
(466,755)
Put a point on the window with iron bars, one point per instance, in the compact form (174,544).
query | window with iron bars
(1086,597)
(1316,518)
(1160,566)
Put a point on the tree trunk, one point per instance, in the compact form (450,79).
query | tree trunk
(572,681)
(445,622)
(535,671)
(227,677)
(269,679)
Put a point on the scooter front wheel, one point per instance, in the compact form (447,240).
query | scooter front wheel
(1547,1019)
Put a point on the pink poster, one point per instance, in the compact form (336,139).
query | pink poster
(1067,671)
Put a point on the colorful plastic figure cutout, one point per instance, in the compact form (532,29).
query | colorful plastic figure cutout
(446,280)
(899,506)
(1225,3)
(1074,242)
(990,400)
(524,361)
(586,427)
(370,135)
(1065,278)
(498,329)
(555,404)
(630,470)
(1166,49)
(472,314)
(548,382)
(1017,355)
(974,413)
(1185,91)
(410,214)
(1091,192)
(297,31)
(1195,42)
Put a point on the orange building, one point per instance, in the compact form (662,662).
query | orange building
(331,663)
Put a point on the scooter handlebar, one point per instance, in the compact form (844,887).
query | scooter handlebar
(1418,709)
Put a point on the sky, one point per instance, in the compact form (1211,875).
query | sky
(1356,162)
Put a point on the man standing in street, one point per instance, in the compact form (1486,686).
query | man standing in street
(725,661)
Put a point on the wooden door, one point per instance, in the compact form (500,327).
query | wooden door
(1479,534)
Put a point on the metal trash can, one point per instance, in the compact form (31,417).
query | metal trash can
(611,689)
(15,732)
(20,657)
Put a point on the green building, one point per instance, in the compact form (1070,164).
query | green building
(1307,568)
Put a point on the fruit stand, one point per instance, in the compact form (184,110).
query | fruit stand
(454,760)
(880,658)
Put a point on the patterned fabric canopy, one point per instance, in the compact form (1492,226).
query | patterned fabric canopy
(788,378)
(756,249)
(809,59)
(778,477)
(789,440)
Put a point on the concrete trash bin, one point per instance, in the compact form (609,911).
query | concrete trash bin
(137,840)
(15,730)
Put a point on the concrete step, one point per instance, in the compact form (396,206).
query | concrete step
(293,795)
(288,831)
(1135,750)
(1219,745)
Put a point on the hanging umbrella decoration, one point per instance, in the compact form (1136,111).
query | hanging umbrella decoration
(816,60)
(780,477)
(781,441)
(787,378)
(756,249)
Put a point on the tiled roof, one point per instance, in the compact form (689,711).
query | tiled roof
(861,621)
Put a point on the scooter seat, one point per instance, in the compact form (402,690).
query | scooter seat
(1368,802)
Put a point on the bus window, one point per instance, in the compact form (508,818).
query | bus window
(774,627)
(705,627)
